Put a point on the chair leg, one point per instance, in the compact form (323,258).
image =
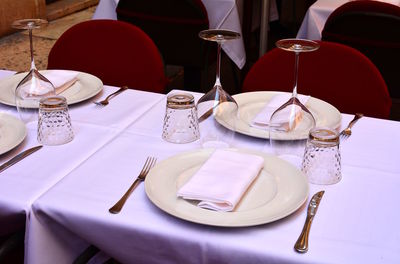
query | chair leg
(13,242)
(86,255)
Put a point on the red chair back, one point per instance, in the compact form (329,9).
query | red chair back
(335,73)
(118,53)
(373,28)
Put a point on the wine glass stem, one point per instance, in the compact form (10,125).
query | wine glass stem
(296,73)
(217,79)
(31,46)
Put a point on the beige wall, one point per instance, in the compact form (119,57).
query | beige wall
(11,10)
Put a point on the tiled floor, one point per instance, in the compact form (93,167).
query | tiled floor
(14,49)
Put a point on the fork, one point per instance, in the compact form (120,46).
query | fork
(106,101)
(347,131)
(150,162)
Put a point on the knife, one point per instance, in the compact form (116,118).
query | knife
(301,245)
(19,157)
(207,114)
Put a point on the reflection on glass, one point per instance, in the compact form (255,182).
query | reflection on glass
(290,124)
(217,105)
(34,86)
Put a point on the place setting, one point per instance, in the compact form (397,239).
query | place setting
(258,187)
(219,184)
(41,99)
(21,89)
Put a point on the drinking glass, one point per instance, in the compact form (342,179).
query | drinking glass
(54,123)
(322,162)
(34,86)
(290,124)
(216,106)
(180,121)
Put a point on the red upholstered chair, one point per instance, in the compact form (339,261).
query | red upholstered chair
(335,73)
(174,26)
(118,53)
(373,28)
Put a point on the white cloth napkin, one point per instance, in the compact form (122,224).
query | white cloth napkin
(59,77)
(261,120)
(222,180)
(61,80)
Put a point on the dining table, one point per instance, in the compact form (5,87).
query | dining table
(62,194)
(317,14)
(222,14)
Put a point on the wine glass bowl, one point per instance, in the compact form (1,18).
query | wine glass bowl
(297,45)
(217,104)
(290,124)
(34,86)
(218,35)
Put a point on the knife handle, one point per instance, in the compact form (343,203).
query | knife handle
(302,242)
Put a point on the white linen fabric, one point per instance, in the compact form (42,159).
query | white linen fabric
(222,14)
(261,120)
(222,180)
(142,233)
(22,183)
(60,77)
(65,192)
(316,16)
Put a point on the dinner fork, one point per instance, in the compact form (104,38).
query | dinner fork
(150,162)
(106,101)
(347,131)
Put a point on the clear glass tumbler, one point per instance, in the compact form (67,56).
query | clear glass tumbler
(180,122)
(54,123)
(322,162)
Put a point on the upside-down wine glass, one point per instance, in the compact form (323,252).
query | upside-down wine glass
(290,124)
(34,86)
(217,107)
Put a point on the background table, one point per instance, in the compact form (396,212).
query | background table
(318,13)
(357,221)
(222,14)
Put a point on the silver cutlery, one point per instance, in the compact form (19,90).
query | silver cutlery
(301,245)
(19,157)
(150,162)
(347,131)
(107,100)
(207,114)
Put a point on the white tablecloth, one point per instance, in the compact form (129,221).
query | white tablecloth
(318,13)
(93,126)
(357,221)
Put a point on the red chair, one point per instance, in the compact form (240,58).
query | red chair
(373,28)
(118,53)
(174,26)
(335,73)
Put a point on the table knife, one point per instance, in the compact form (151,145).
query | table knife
(301,245)
(19,157)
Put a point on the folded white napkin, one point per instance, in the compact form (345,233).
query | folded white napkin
(61,80)
(222,180)
(261,120)
(59,77)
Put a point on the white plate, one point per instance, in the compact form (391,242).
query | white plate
(250,104)
(84,88)
(279,190)
(12,132)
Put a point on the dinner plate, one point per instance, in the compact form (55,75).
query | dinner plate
(84,88)
(279,190)
(250,104)
(12,132)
